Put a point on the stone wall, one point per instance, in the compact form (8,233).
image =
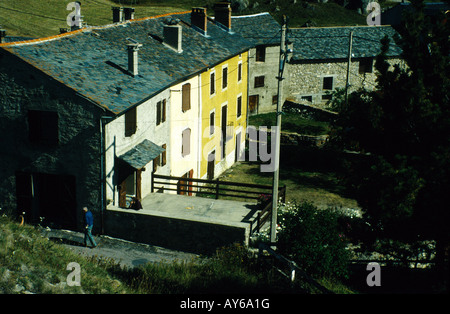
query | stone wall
(305,80)
(23,88)
(196,236)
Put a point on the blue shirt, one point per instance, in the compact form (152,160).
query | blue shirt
(89,219)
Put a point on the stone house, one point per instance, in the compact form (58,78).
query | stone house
(89,115)
(318,65)
(319,62)
(264,33)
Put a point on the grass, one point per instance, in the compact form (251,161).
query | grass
(31,263)
(33,18)
(291,123)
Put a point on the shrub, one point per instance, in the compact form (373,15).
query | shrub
(313,239)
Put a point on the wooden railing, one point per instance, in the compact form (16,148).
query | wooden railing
(222,189)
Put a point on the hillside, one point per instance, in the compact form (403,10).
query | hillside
(34,18)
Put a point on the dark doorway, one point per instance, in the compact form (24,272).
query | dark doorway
(129,183)
(47,198)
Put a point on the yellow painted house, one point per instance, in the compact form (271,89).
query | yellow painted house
(223,115)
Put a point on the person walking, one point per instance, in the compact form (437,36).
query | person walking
(89,219)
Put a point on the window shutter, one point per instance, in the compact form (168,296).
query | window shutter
(224,78)
(239,106)
(213,83)
(163,161)
(158,113)
(186,142)
(211,123)
(186,97)
(163,118)
(130,122)
(239,71)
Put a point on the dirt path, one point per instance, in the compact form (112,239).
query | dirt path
(126,253)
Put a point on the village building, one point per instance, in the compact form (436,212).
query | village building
(264,33)
(318,66)
(90,115)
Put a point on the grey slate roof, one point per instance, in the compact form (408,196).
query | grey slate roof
(142,154)
(94,61)
(323,43)
(260,29)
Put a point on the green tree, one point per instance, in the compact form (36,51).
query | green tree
(313,239)
(402,130)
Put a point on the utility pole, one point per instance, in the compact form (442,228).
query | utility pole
(282,62)
(350,42)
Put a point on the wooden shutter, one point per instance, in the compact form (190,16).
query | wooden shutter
(163,113)
(186,97)
(212,83)
(239,106)
(224,78)
(163,155)
(211,123)
(186,142)
(239,71)
(130,122)
(158,113)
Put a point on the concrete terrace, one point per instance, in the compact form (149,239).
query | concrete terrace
(181,222)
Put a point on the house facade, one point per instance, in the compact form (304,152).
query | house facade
(91,115)
(223,115)
(319,63)
(264,33)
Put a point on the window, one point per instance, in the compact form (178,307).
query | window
(186,142)
(307,98)
(327,83)
(366,65)
(160,161)
(260,53)
(259,81)
(239,72)
(212,83)
(130,122)
(253,102)
(160,112)
(211,122)
(43,127)
(186,97)
(224,78)
(239,106)
(274,100)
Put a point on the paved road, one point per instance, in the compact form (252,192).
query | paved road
(126,253)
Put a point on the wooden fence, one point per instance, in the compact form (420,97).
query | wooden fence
(222,189)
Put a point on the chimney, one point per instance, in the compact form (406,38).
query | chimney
(199,19)
(133,58)
(117,14)
(222,14)
(2,35)
(173,36)
(128,13)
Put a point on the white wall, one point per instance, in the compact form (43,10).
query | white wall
(180,121)
(117,144)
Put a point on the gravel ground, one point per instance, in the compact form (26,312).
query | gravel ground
(124,252)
